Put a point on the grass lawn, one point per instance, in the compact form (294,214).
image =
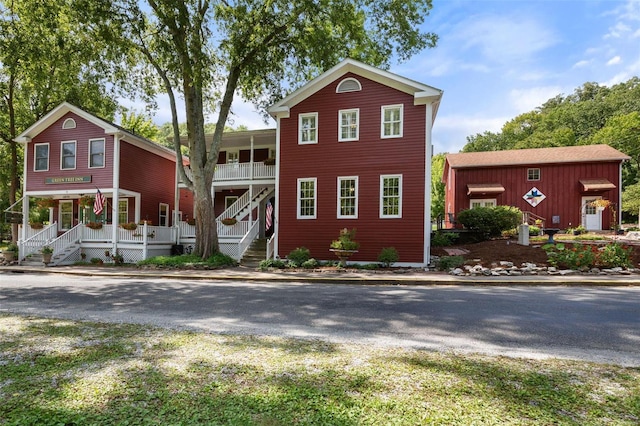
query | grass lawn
(59,372)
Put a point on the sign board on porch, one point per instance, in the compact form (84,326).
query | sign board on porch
(13,217)
(67,179)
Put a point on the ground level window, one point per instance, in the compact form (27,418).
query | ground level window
(163,214)
(391,196)
(483,203)
(307,198)
(348,197)
(123,211)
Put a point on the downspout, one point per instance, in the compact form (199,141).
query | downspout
(176,204)
(427,184)
(115,200)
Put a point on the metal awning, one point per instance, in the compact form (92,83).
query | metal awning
(596,185)
(484,188)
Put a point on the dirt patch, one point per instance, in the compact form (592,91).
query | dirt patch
(491,253)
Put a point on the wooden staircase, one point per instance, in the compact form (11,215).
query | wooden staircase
(255,254)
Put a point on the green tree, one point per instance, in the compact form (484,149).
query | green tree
(631,200)
(437,186)
(207,51)
(45,58)
(140,124)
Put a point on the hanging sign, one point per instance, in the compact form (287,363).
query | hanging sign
(67,179)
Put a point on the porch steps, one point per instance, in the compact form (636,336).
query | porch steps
(34,259)
(255,254)
(257,199)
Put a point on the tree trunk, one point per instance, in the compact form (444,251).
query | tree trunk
(206,228)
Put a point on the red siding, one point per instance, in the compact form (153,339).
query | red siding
(150,175)
(560,183)
(186,203)
(55,135)
(367,158)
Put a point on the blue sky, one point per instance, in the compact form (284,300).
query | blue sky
(499,58)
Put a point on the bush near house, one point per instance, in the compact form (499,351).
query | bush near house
(490,222)
(587,256)
(298,256)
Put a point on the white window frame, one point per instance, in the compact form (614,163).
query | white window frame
(391,123)
(123,213)
(299,199)
(35,157)
(533,170)
(91,141)
(340,88)
(302,130)
(69,123)
(383,197)
(340,197)
(483,202)
(233,153)
(357,124)
(61,213)
(163,214)
(228,198)
(75,155)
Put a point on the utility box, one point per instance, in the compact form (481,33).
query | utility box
(523,234)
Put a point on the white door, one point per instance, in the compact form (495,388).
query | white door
(591,216)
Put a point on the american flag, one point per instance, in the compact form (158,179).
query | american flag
(98,204)
(269,214)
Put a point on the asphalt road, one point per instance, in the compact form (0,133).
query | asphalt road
(599,324)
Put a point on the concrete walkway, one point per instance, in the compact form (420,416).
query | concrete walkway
(400,277)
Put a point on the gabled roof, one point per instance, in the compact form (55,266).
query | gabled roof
(535,156)
(109,129)
(422,93)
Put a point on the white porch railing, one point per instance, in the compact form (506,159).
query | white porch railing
(186,230)
(244,171)
(271,246)
(153,234)
(236,231)
(70,237)
(36,239)
(246,241)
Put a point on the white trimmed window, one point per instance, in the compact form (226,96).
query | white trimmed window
(483,202)
(348,127)
(123,211)
(307,198)
(229,200)
(533,174)
(68,155)
(65,213)
(390,196)
(163,214)
(349,84)
(233,157)
(308,128)
(96,153)
(348,197)
(69,123)
(41,157)
(391,121)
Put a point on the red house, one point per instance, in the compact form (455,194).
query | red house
(70,155)
(556,186)
(353,150)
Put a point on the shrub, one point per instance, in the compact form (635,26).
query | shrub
(490,221)
(586,256)
(388,256)
(298,256)
(12,248)
(272,263)
(534,231)
(442,239)
(310,264)
(446,263)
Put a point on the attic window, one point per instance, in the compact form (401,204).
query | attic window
(349,85)
(69,123)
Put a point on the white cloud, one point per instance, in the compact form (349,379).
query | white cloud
(581,64)
(636,34)
(525,100)
(615,60)
(505,39)
(617,31)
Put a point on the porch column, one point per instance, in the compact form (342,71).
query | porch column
(426,238)
(115,200)
(251,159)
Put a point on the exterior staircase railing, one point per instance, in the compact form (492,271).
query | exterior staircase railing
(36,241)
(531,218)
